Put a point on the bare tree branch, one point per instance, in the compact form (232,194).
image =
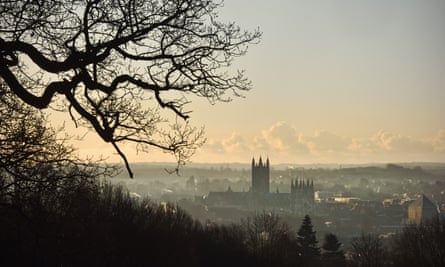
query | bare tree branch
(99,60)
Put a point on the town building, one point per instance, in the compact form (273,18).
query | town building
(422,210)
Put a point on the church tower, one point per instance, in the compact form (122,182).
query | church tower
(302,195)
(260,176)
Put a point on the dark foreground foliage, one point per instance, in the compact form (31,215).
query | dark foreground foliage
(97,224)
(102,225)
(420,245)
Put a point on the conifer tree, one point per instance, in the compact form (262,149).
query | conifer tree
(308,240)
(332,255)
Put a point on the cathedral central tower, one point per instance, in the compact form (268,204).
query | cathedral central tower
(260,176)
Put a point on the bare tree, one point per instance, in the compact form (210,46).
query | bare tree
(367,251)
(114,64)
(34,158)
(269,239)
(420,245)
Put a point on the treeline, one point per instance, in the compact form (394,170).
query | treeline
(98,224)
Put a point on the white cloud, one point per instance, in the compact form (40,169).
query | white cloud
(283,137)
(235,143)
(326,142)
(388,146)
(283,143)
(397,143)
(362,145)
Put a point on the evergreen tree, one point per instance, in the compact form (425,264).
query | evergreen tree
(332,255)
(308,241)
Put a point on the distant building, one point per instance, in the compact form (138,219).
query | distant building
(323,196)
(299,200)
(422,210)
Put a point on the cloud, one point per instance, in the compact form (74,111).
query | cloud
(283,143)
(280,141)
(282,137)
(362,145)
(397,143)
(326,142)
(387,142)
(388,146)
(235,143)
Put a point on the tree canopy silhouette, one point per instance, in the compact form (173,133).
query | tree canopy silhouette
(114,64)
(367,250)
(35,160)
(332,254)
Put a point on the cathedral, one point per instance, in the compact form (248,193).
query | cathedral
(299,199)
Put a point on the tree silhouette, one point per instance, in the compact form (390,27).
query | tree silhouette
(270,240)
(42,184)
(367,251)
(264,233)
(34,158)
(420,245)
(308,240)
(114,64)
(332,255)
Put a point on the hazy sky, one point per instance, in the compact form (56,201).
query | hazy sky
(342,81)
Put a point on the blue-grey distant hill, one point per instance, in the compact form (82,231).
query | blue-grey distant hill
(242,170)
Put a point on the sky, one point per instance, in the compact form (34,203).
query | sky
(333,82)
